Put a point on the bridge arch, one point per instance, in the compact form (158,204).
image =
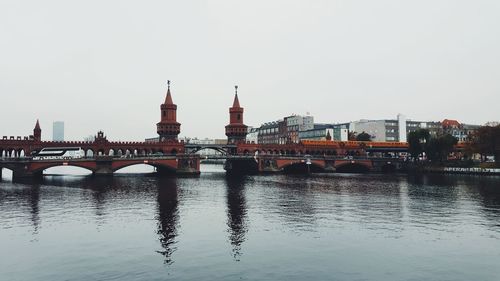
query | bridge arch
(169,168)
(10,173)
(89,153)
(66,170)
(215,148)
(40,167)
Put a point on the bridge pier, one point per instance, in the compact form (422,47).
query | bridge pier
(241,166)
(188,165)
(23,174)
(103,166)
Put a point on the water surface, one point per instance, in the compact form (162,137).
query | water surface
(277,227)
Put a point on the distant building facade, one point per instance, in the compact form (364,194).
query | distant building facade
(393,130)
(389,130)
(58,131)
(336,132)
(460,131)
(282,131)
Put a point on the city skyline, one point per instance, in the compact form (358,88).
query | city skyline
(341,61)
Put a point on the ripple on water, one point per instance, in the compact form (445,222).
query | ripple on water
(354,227)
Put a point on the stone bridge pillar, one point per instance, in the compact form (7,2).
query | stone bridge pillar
(188,165)
(104,166)
(23,170)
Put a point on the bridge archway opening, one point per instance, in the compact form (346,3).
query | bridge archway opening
(302,168)
(218,150)
(355,168)
(139,168)
(21,153)
(69,170)
(142,168)
(6,173)
(101,152)
(111,152)
(89,153)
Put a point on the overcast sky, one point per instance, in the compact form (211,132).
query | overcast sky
(103,65)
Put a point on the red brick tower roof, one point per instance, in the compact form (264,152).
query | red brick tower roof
(236,102)
(168,99)
(168,128)
(236,130)
(37,126)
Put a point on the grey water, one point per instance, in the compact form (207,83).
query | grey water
(273,227)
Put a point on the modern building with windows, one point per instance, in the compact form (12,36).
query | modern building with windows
(282,131)
(269,133)
(389,130)
(58,131)
(337,132)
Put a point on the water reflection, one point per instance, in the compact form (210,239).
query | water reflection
(168,216)
(236,213)
(34,199)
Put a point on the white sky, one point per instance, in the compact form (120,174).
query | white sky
(104,64)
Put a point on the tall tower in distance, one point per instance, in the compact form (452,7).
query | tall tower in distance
(58,131)
(236,131)
(168,128)
(37,132)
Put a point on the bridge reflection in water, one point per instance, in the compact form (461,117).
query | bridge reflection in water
(168,216)
(236,213)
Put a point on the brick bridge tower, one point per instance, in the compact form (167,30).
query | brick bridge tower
(37,132)
(236,131)
(168,128)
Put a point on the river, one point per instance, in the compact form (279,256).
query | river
(271,227)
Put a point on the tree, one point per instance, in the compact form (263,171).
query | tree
(486,141)
(351,136)
(364,137)
(439,148)
(416,142)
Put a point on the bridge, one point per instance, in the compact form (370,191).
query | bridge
(103,165)
(171,156)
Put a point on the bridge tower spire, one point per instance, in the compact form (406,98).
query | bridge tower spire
(168,128)
(236,131)
(37,131)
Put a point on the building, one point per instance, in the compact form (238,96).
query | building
(37,132)
(236,130)
(168,128)
(283,131)
(393,130)
(58,131)
(253,135)
(460,131)
(269,133)
(296,124)
(337,132)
